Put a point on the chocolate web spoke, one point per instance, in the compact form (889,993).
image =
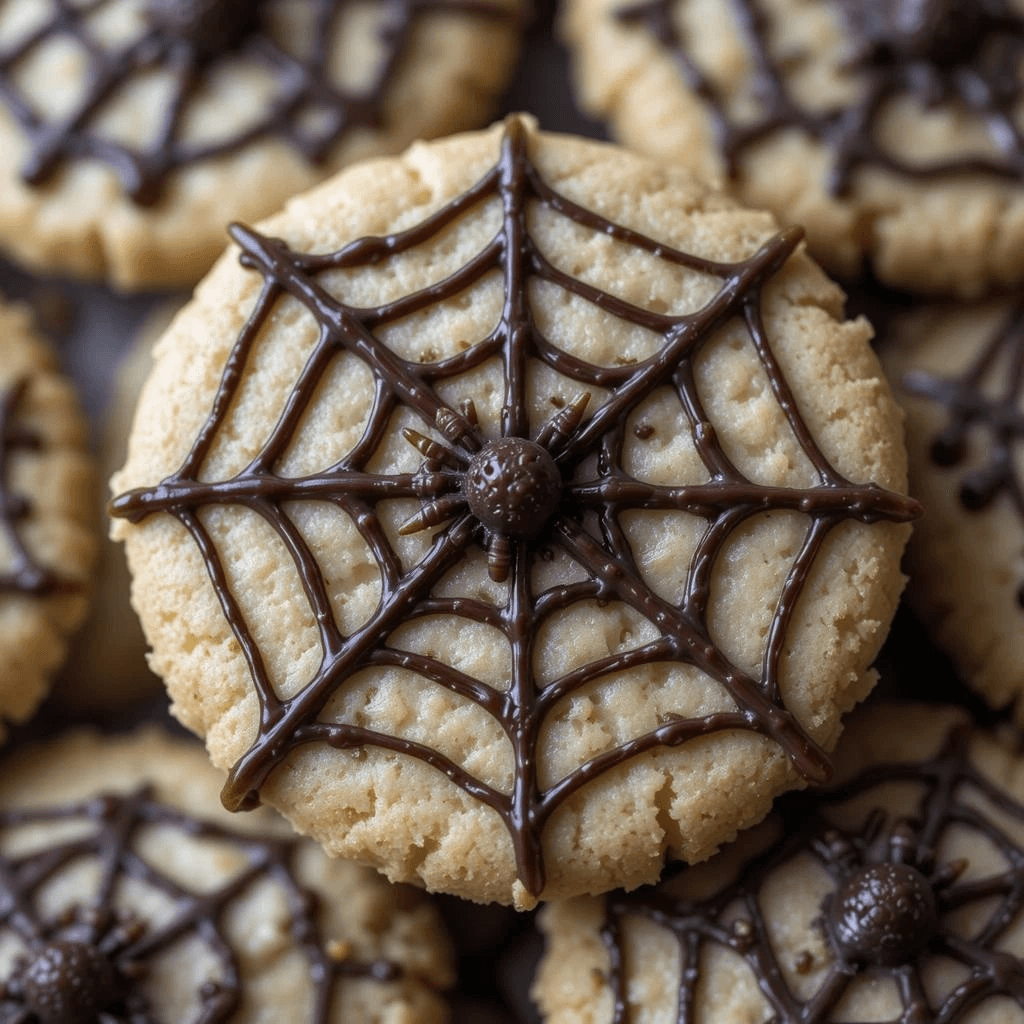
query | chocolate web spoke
(187,52)
(786,607)
(452,444)
(903,48)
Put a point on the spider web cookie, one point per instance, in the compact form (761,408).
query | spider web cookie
(959,372)
(891,132)
(47,529)
(189,40)
(972,402)
(915,865)
(965,52)
(526,493)
(123,906)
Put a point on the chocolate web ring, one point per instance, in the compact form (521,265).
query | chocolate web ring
(944,803)
(128,946)
(572,437)
(919,63)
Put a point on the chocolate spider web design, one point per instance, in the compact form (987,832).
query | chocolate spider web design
(948,780)
(197,914)
(992,93)
(725,502)
(305,86)
(25,576)
(1001,414)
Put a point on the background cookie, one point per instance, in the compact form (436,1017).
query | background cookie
(888,131)
(959,373)
(122,863)
(106,666)
(48,526)
(392,618)
(891,897)
(133,131)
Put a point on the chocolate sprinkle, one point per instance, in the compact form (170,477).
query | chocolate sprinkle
(893,868)
(988,394)
(24,575)
(966,53)
(725,502)
(92,962)
(189,39)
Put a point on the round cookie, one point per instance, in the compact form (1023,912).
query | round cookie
(48,527)
(133,131)
(889,131)
(505,518)
(139,897)
(892,896)
(106,666)
(959,373)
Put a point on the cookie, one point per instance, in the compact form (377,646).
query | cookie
(517,512)
(106,666)
(48,525)
(959,373)
(888,130)
(133,131)
(138,897)
(892,896)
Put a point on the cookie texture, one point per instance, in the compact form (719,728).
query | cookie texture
(890,896)
(133,131)
(959,373)
(48,525)
(139,897)
(519,512)
(889,131)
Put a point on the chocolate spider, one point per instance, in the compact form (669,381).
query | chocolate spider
(80,970)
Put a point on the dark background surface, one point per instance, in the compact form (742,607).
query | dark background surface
(93,326)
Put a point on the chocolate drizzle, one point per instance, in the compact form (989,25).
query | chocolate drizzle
(92,963)
(966,53)
(891,911)
(569,439)
(989,394)
(187,38)
(25,575)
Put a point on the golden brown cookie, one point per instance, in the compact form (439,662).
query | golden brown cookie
(518,512)
(890,131)
(132,894)
(133,131)
(48,524)
(892,896)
